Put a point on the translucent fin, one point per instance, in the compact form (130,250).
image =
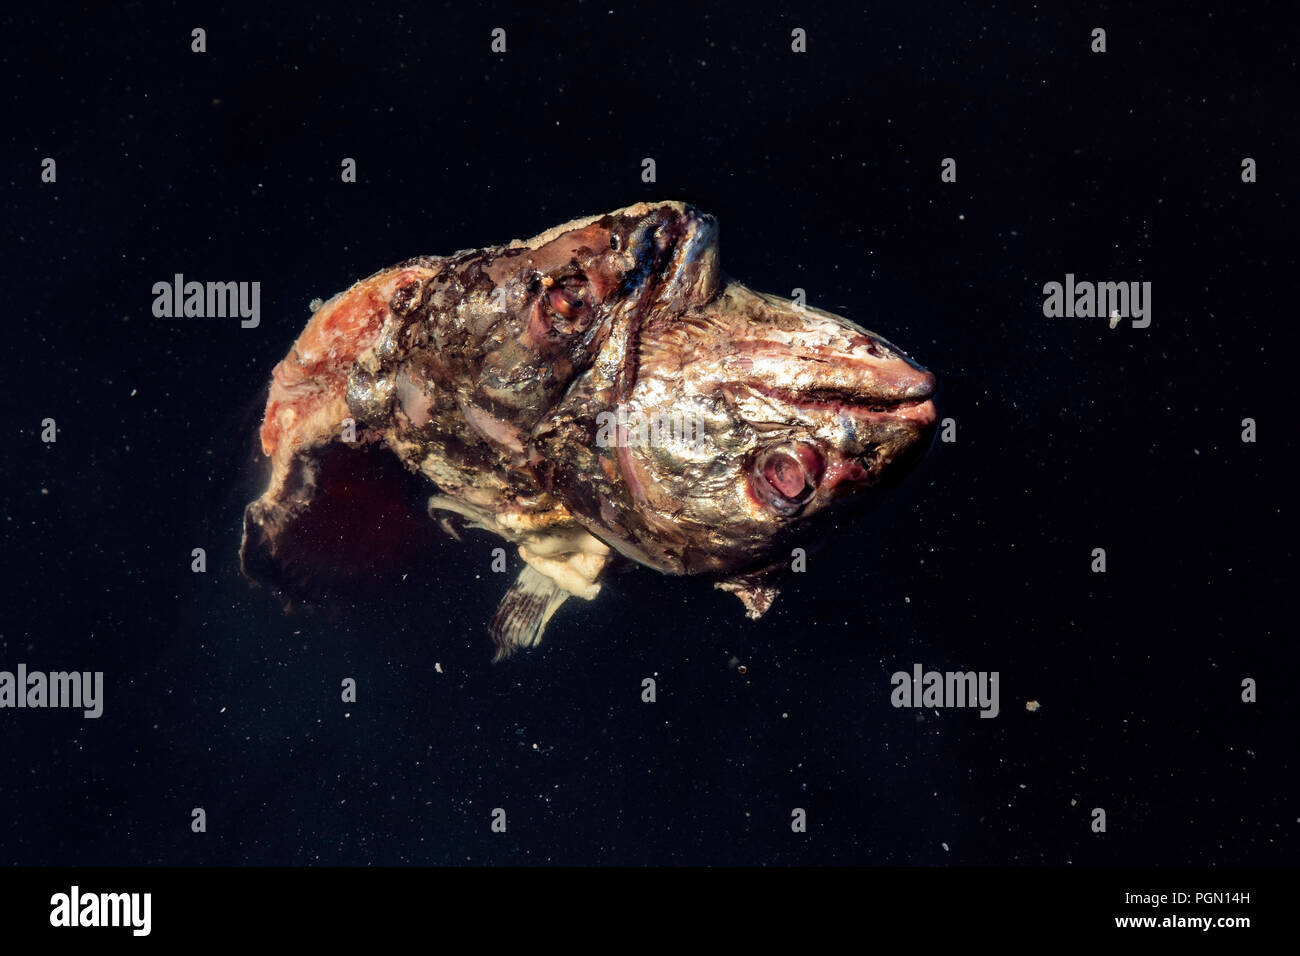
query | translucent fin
(522,615)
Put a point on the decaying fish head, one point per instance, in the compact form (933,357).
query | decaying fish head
(600,386)
(718,425)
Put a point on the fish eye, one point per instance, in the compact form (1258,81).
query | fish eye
(614,242)
(786,476)
(564,302)
(569,304)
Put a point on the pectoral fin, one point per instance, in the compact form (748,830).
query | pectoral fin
(522,615)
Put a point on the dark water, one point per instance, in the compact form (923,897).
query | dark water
(823,169)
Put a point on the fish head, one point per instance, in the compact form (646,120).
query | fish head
(753,421)
(724,425)
(542,311)
(594,273)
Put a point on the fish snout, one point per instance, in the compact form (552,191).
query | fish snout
(867,376)
(877,371)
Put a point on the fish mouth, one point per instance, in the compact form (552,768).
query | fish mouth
(913,405)
(674,250)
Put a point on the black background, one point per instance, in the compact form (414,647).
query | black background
(823,169)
